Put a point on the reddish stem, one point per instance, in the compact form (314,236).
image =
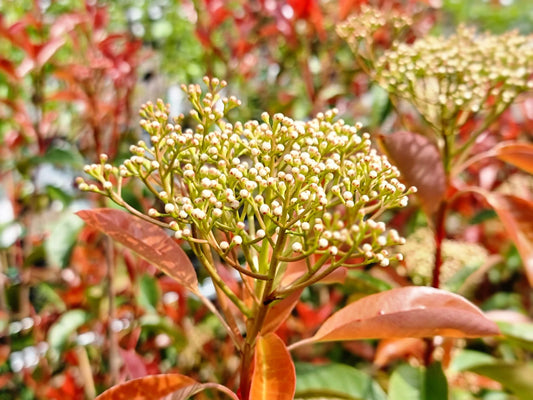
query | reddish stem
(440,233)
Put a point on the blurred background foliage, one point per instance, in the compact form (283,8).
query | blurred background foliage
(77,314)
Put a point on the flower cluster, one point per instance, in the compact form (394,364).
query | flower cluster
(447,79)
(464,72)
(419,251)
(302,188)
(361,29)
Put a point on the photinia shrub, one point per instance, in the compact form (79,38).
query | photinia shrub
(284,204)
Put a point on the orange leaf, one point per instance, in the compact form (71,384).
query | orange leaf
(389,350)
(297,269)
(518,154)
(274,377)
(412,311)
(148,387)
(279,312)
(516,215)
(147,240)
(420,164)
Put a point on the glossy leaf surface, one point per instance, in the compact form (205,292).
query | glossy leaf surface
(389,350)
(516,215)
(518,154)
(335,381)
(279,312)
(515,377)
(149,387)
(147,240)
(406,312)
(520,334)
(420,164)
(274,375)
(418,383)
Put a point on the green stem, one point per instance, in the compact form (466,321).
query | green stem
(203,252)
(255,323)
(234,335)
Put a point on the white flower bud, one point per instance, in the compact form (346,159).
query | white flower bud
(297,247)
(264,209)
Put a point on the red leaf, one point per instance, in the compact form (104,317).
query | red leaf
(310,11)
(279,312)
(420,164)
(66,23)
(297,269)
(274,377)
(148,387)
(48,50)
(25,66)
(406,312)
(516,215)
(134,363)
(8,68)
(346,7)
(518,154)
(147,240)
(393,349)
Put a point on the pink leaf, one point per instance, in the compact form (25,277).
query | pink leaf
(406,312)
(48,50)
(147,240)
(134,363)
(420,164)
(516,215)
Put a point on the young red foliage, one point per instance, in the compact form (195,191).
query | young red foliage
(420,164)
(147,240)
(274,375)
(412,311)
(148,387)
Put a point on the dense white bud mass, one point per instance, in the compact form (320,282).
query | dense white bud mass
(316,184)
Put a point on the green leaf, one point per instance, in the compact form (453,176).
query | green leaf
(58,245)
(482,216)
(467,359)
(406,382)
(148,293)
(418,383)
(63,328)
(381,105)
(46,297)
(515,377)
(157,324)
(362,282)
(67,155)
(436,385)
(518,333)
(335,381)
(161,29)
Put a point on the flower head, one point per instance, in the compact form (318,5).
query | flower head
(315,184)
